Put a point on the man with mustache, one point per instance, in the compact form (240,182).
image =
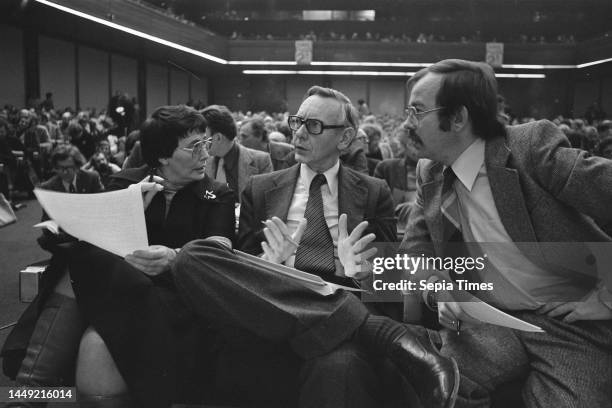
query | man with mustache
(507,192)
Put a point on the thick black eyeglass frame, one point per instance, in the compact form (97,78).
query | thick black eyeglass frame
(303,121)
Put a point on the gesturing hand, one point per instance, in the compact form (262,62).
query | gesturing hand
(153,260)
(351,249)
(279,244)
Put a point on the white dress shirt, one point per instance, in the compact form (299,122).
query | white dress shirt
(518,283)
(329,193)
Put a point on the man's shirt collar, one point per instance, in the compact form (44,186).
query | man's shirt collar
(468,164)
(331,175)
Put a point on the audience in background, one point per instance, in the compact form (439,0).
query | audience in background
(27,137)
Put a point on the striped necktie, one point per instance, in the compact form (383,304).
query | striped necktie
(316,251)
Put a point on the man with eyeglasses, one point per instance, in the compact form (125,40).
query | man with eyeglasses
(309,216)
(69,178)
(509,192)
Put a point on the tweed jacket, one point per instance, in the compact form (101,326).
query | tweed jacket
(544,191)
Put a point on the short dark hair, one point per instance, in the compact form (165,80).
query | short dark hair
(258,127)
(350,113)
(74,130)
(220,120)
(470,84)
(372,130)
(64,152)
(161,132)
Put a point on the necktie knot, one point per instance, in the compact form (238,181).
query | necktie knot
(318,181)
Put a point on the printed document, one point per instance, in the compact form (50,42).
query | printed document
(113,221)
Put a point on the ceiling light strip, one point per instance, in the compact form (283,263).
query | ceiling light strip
(590,64)
(366,73)
(288,63)
(133,32)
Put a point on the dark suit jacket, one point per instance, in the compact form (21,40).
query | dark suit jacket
(250,163)
(544,191)
(401,179)
(359,196)
(202,209)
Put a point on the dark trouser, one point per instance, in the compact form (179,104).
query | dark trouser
(153,339)
(223,290)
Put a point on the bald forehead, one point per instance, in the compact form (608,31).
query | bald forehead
(423,93)
(328,110)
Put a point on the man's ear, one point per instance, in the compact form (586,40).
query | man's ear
(460,119)
(163,161)
(347,137)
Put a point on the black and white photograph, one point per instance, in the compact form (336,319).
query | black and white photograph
(306,203)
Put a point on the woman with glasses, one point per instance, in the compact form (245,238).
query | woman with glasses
(157,354)
(141,347)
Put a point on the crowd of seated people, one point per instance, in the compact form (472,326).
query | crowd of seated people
(405,38)
(29,136)
(42,144)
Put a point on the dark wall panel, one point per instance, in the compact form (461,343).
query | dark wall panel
(57,71)
(232,91)
(12,80)
(124,75)
(354,88)
(606,96)
(93,78)
(586,92)
(157,86)
(387,96)
(296,89)
(199,90)
(179,87)
(268,93)
(538,98)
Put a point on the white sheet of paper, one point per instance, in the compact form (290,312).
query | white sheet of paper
(313,282)
(488,314)
(113,221)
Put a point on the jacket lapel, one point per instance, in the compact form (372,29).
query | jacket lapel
(278,198)
(246,167)
(507,192)
(352,197)
(509,199)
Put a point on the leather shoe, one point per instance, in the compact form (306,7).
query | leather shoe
(434,376)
